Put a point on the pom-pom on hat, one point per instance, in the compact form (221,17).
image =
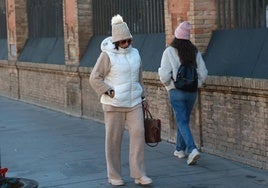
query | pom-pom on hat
(183,31)
(120,29)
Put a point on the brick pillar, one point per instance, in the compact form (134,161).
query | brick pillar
(71,44)
(17,33)
(201,14)
(11,30)
(85,24)
(203,17)
(17,27)
(176,11)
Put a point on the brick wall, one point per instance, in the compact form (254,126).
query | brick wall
(8,79)
(235,119)
(53,86)
(90,101)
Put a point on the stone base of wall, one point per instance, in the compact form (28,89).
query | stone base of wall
(248,161)
(230,117)
(235,119)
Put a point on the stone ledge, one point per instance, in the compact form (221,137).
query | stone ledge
(252,83)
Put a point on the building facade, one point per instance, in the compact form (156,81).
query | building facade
(230,118)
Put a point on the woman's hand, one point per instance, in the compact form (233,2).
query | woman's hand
(110,93)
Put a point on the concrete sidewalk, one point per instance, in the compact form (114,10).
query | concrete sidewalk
(62,151)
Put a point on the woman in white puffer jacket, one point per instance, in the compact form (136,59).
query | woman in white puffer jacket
(117,79)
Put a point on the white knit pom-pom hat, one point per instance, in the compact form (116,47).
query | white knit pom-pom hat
(120,29)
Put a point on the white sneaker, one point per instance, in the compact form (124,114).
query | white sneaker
(180,154)
(193,157)
(116,182)
(144,180)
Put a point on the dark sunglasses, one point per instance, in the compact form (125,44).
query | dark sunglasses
(125,41)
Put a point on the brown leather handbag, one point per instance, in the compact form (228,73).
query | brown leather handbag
(152,128)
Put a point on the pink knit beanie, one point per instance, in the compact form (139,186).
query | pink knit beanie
(183,31)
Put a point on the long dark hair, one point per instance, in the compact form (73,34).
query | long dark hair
(186,51)
(116,45)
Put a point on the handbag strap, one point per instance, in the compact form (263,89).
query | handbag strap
(147,113)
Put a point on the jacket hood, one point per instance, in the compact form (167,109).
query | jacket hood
(108,46)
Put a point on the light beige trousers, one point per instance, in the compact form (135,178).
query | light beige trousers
(115,122)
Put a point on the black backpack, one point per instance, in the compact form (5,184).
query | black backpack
(187,78)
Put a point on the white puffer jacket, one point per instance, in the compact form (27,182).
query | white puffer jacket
(123,75)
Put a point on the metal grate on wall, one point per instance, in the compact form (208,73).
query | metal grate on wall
(142,16)
(242,14)
(45,18)
(3,25)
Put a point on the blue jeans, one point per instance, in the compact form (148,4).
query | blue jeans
(182,103)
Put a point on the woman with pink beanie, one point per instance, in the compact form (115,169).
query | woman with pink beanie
(182,51)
